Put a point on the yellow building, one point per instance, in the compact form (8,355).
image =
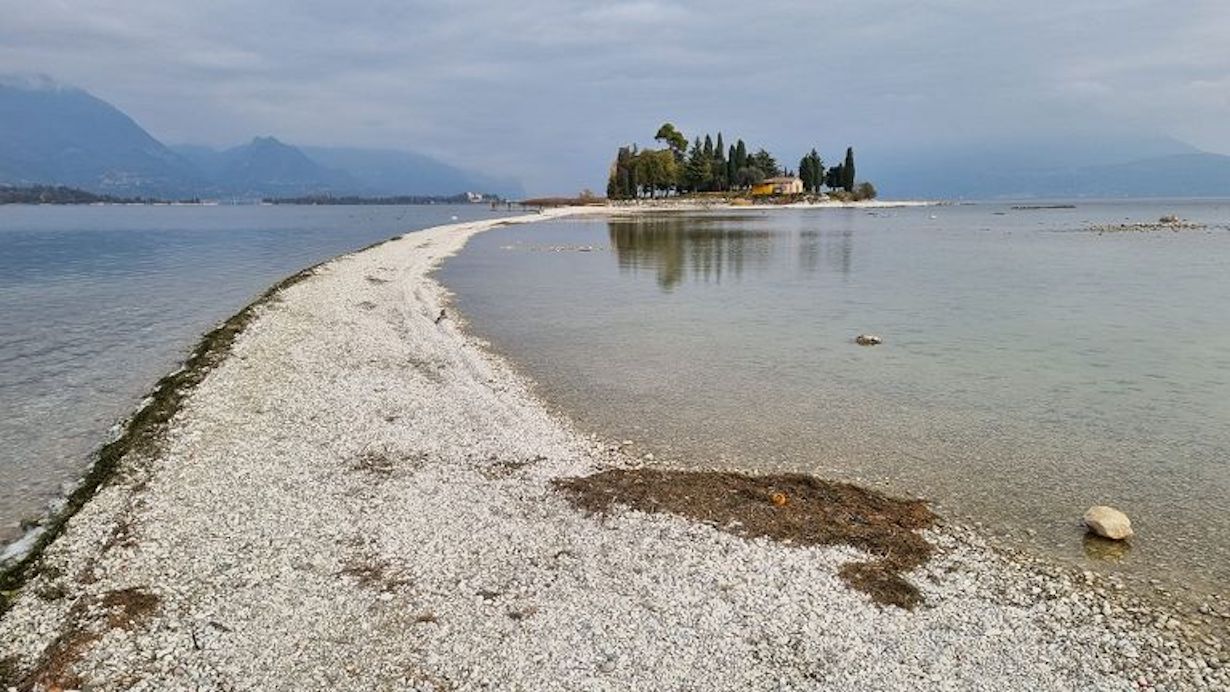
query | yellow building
(786,185)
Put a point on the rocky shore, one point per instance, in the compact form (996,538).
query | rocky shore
(355,494)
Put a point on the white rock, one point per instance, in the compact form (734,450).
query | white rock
(1108,522)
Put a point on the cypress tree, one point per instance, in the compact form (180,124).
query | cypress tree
(847,171)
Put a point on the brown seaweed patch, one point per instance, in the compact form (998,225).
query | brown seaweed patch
(375,574)
(127,607)
(793,509)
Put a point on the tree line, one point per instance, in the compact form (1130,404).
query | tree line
(709,165)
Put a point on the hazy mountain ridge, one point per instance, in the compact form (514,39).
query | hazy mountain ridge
(52,134)
(1061,166)
(60,135)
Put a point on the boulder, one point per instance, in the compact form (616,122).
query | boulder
(1108,522)
(868,340)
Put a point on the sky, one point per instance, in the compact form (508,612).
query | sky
(545,90)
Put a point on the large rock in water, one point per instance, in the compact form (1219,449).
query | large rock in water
(1108,522)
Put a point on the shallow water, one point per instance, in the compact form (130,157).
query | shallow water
(1030,368)
(98,302)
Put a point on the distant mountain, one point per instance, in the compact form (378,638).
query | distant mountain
(266,167)
(51,134)
(54,134)
(391,172)
(1055,167)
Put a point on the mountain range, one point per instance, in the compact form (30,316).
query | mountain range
(51,134)
(1057,166)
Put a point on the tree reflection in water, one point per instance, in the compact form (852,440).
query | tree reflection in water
(707,248)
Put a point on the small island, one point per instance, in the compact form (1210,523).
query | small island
(708,168)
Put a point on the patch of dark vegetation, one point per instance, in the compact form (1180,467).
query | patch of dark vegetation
(10,671)
(519,614)
(143,432)
(794,509)
(51,592)
(375,574)
(127,607)
(426,618)
(376,280)
(372,461)
(503,468)
(54,668)
(367,305)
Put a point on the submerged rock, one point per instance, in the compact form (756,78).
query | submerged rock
(868,340)
(1108,522)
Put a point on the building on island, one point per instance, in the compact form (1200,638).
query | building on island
(785,185)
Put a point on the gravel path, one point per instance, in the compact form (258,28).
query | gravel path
(359,497)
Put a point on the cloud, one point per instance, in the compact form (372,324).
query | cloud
(545,89)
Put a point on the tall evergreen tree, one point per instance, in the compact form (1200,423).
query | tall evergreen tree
(847,171)
(835,177)
(811,170)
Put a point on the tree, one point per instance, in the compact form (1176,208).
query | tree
(764,161)
(720,171)
(847,171)
(673,139)
(834,177)
(811,170)
(699,171)
(620,185)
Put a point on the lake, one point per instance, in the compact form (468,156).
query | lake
(98,302)
(1030,367)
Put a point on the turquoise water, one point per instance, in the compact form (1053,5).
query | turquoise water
(98,302)
(1030,368)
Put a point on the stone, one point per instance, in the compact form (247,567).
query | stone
(1108,522)
(868,340)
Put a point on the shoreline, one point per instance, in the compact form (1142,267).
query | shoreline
(407,521)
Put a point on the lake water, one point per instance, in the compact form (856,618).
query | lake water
(98,302)
(1030,368)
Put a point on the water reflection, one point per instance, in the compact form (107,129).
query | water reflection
(707,249)
(673,246)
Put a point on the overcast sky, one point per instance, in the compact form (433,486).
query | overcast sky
(545,90)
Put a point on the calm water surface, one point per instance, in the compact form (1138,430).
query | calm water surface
(1030,368)
(97,303)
